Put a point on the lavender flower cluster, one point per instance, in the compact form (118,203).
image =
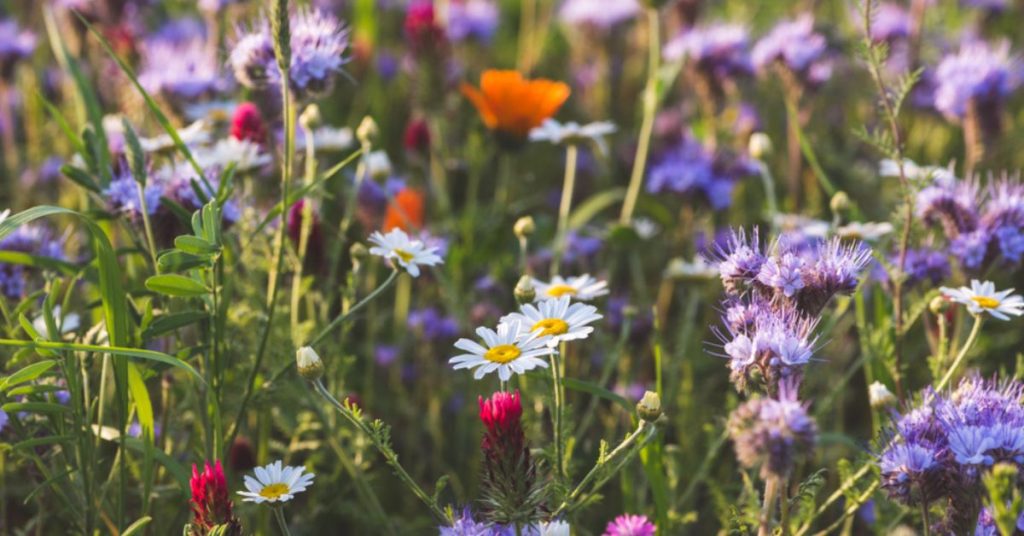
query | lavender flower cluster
(772,433)
(982,225)
(774,298)
(35,240)
(939,450)
(689,168)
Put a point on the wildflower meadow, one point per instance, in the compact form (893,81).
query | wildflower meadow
(511,267)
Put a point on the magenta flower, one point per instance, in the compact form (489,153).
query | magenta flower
(630,525)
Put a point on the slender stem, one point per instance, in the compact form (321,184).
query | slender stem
(556,412)
(975,330)
(281,523)
(306,227)
(771,491)
(568,185)
(769,192)
(647,124)
(385,449)
(926,522)
(602,462)
(342,317)
(150,241)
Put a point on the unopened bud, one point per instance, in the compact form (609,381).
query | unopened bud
(309,363)
(760,145)
(367,131)
(310,117)
(358,252)
(938,305)
(524,291)
(880,396)
(840,202)
(378,164)
(649,407)
(524,227)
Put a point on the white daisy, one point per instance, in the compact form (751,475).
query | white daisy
(196,133)
(326,138)
(553,528)
(699,268)
(220,111)
(557,318)
(245,154)
(276,483)
(583,288)
(914,172)
(507,350)
(410,254)
(983,298)
(869,231)
(798,223)
(572,132)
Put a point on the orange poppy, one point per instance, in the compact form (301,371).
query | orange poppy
(511,104)
(405,211)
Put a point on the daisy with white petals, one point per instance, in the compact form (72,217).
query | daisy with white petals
(398,247)
(582,288)
(276,483)
(506,350)
(558,318)
(983,298)
(573,133)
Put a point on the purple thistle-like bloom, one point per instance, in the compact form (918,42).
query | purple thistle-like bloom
(34,239)
(739,260)
(772,433)
(784,273)
(122,194)
(795,44)
(979,73)
(766,340)
(995,6)
(465,525)
(318,44)
(951,203)
(16,44)
(971,248)
(472,19)
(721,50)
(891,22)
(598,14)
(432,324)
(630,525)
(691,169)
(385,355)
(182,71)
(924,265)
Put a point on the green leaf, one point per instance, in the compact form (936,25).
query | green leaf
(137,526)
(143,405)
(80,177)
(46,263)
(195,245)
(178,261)
(42,441)
(26,374)
(139,353)
(167,323)
(176,285)
(175,468)
(35,407)
(133,150)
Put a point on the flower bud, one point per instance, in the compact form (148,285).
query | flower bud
(840,202)
(759,146)
(880,396)
(524,227)
(938,305)
(367,131)
(524,291)
(378,164)
(309,363)
(649,407)
(358,252)
(310,117)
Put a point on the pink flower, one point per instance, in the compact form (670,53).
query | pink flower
(630,525)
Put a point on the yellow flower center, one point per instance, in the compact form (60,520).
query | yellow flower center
(557,291)
(985,302)
(404,255)
(274,491)
(551,326)
(502,353)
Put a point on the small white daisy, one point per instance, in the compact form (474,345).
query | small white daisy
(244,154)
(983,298)
(196,133)
(914,172)
(572,132)
(220,111)
(697,269)
(276,483)
(326,138)
(583,288)
(410,254)
(553,528)
(557,318)
(869,231)
(507,350)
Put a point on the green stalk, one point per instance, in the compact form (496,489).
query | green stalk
(568,185)
(304,232)
(557,411)
(281,523)
(342,317)
(975,330)
(384,448)
(647,124)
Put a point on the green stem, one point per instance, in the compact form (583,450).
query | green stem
(771,492)
(385,449)
(647,124)
(925,519)
(568,185)
(769,193)
(304,232)
(975,330)
(281,523)
(557,411)
(626,444)
(342,317)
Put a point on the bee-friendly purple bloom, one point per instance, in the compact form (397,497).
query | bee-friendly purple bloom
(796,45)
(181,71)
(689,169)
(598,14)
(772,434)
(34,239)
(978,73)
(472,19)
(122,196)
(721,50)
(16,44)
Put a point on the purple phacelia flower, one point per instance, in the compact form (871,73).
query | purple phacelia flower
(796,45)
(691,169)
(978,73)
(34,239)
(890,22)
(772,434)
(598,14)
(784,273)
(720,50)
(472,19)
(122,195)
(385,354)
(465,525)
(971,248)
(432,324)
(951,203)
(181,71)
(739,260)
(16,44)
